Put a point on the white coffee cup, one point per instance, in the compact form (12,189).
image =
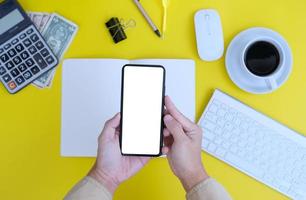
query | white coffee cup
(271,78)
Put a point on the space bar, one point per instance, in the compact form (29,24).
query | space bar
(241,164)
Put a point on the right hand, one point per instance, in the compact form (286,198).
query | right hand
(182,140)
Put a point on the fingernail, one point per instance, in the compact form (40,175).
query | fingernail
(168,118)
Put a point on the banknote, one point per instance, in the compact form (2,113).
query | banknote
(58,33)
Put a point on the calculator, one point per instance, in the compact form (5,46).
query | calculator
(24,54)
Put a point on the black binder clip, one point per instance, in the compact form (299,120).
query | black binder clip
(116,28)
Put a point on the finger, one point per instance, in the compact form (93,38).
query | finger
(175,128)
(111,125)
(176,114)
(168,141)
(165,150)
(166,132)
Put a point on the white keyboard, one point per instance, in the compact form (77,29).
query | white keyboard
(255,144)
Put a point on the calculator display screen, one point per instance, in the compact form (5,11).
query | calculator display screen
(10,20)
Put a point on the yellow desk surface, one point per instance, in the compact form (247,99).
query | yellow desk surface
(30,162)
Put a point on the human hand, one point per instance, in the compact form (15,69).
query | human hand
(182,140)
(111,168)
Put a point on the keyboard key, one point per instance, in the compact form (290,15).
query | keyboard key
(29,31)
(39,45)
(27,42)
(35,69)
(12,85)
(19,80)
(2,71)
(7,46)
(209,135)
(7,78)
(30,62)
(44,52)
(17,60)
(12,52)
(209,126)
(24,55)
(40,61)
(32,50)
(220,152)
(50,60)
(34,38)
(15,41)
(212,147)
(22,67)
(1,50)
(27,75)
(4,58)
(22,36)
(9,65)
(19,48)
(15,72)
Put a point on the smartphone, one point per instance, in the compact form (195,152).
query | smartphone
(142,105)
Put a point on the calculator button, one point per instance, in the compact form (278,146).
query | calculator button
(22,67)
(27,42)
(30,62)
(4,58)
(2,71)
(32,50)
(44,52)
(12,85)
(19,80)
(34,38)
(40,61)
(19,48)
(9,65)
(35,69)
(6,78)
(15,72)
(23,35)
(39,45)
(27,74)
(17,60)
(50,60)
(12,52)
(15,41)
(30,31)
(1,50)
(24,55)
(7,46)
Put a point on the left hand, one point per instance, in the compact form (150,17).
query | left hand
(111,168)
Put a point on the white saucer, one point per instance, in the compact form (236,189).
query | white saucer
(239,75)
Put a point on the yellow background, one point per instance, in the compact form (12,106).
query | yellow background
(30,162)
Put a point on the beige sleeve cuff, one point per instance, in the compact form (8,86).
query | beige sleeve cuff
(209,189)
(88,189)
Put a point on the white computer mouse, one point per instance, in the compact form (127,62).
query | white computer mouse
(209,34)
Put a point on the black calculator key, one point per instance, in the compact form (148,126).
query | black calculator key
(50,60)
(39,45)
(40,61)
(32,50)
(4,58)
(22,67)
(7,46)
(9,65)
(30,31)
(7,78)
(27,75)
(17,60)
(24,55)
(15,41)
(19,80)
(44,52)
(15,72)
(34,38)
(27,42)
(19,48)
(35,69)
(30,62)
(2,71)
(23,35)
(12,52)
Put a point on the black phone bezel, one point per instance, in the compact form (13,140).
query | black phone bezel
(162,110)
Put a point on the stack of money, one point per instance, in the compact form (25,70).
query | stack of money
(58,33)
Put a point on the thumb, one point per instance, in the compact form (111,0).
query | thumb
(110,126)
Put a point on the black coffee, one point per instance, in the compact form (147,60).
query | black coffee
(262,58)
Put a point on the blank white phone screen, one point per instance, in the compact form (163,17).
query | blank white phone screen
(142,110)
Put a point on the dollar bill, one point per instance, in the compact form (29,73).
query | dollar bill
(58,33)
